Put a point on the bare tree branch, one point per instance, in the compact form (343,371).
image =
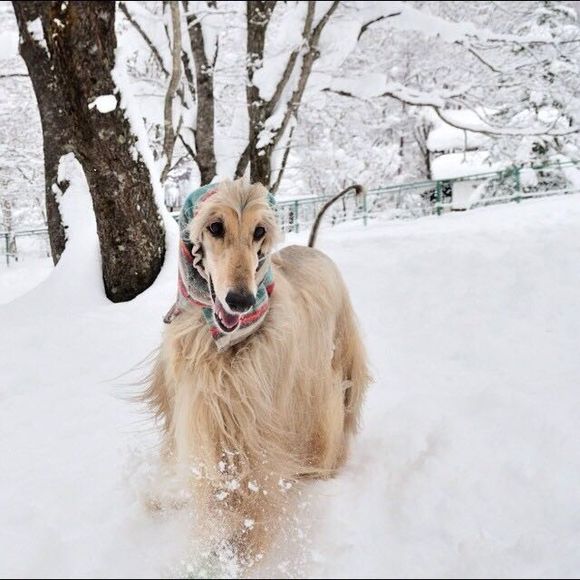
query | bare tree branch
(243,162)
(368,24)
(276,185)
(154,50)
(187,146)
(307,63)
(182,158)
(472,51)
(187,69)
(156,54)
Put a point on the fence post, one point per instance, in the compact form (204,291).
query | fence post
(296,226)
(7,244)
(438,189)
(517,184)
(365,216)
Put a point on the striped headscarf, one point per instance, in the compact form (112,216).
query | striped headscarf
(193,282)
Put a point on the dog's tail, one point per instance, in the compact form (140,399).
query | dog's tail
(358,190)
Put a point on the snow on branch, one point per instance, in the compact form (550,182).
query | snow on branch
(413,19)
(274,101)
(307,64)
(377,87)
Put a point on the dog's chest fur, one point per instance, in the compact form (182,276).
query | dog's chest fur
(254,399)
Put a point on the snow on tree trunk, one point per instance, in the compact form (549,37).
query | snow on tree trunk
(80,38)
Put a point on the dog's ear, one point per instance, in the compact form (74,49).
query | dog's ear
(198,223)
(269,219)
(273,232)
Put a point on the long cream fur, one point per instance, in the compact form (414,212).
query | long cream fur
(278,406)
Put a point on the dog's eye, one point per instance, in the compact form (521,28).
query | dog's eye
(216,229)
(259,233)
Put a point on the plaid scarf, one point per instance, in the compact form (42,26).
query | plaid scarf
(193,282)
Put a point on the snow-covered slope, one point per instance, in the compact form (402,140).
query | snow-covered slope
(20,277)
(469,459)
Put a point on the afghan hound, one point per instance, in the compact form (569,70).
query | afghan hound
(261,374)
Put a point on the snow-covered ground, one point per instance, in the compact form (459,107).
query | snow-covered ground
(468,463)
(19,277)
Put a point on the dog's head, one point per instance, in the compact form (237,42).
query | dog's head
(237,229)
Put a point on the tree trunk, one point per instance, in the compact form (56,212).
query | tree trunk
(81,41)
(56,129)
(258,14)
(169,132)
(261,145)
(204,72)
(421,133)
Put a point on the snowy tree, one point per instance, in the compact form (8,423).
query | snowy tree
(267,60)
(21,159)
(512,67)
(273,98)
(69,49)
(311,96)
(187,88)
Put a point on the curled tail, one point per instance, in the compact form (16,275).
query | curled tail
(358,190)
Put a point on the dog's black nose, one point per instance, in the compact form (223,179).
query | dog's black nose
(240,301)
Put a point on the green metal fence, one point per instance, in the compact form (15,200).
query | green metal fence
(408,200)
(411,200)
(10,243)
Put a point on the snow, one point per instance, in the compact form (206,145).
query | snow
(365,87)
(8,43)
(453,165)
(414,19)
(210,24)
(35,29)
(337,41)
(271,124)
(104,103)
(572,174)
(82,257)
(447,138)
(284,36)
(20,277)
(468,460)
